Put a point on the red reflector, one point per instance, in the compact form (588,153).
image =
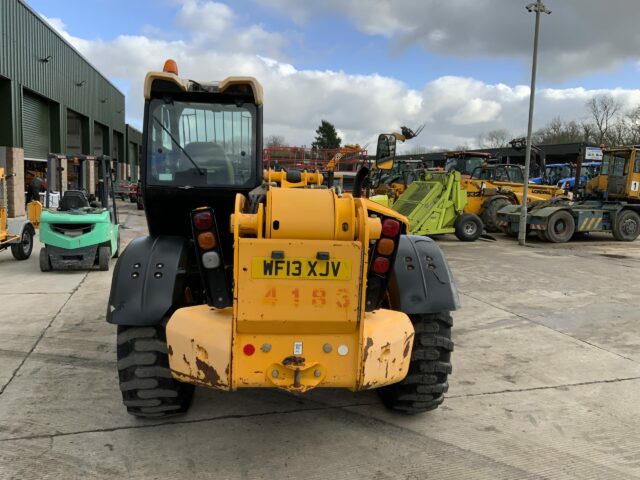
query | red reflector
(381,265)
(203,220)
(249,349)
(390,227)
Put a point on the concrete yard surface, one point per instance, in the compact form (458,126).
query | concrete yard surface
(546,383)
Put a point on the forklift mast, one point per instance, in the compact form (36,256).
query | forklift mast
(105,177)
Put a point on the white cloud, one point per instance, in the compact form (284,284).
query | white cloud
(455,109)
(578,37)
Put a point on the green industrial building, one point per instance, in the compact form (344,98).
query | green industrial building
(53,100)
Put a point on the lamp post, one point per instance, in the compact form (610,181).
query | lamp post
(537,7)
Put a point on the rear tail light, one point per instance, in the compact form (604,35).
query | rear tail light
(382,258)
(386,246)
(390,227)
(207,240)
(210,260)
(381,265)
(203,220)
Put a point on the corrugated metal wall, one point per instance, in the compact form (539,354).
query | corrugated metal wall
(66,78)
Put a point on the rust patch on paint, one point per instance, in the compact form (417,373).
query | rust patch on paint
(184,357)
(368,345)
(211,377)
(195,380)
(169,350)
(407,346)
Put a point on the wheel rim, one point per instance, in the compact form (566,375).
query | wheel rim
(26,242)
(470,228)
(629,227)
(560,227)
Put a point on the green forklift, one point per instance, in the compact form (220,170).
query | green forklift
(79,232)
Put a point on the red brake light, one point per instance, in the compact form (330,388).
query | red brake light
(390,227)
(203,220)
(381,265)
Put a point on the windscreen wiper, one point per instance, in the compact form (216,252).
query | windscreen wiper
(200,170)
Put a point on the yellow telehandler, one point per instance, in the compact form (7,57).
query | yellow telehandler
(250,279)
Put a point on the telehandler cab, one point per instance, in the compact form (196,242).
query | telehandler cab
(279,283)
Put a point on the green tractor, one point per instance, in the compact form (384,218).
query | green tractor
(79,234)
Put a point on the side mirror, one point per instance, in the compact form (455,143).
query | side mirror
(386,151)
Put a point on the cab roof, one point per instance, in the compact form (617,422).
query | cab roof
(187,85)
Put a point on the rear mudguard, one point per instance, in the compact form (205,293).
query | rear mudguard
(17,226)
(421,281)
(148,281)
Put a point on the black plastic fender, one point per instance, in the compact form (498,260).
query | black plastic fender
(148,280)
(421,281)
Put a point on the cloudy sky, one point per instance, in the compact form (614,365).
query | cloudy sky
(462,67)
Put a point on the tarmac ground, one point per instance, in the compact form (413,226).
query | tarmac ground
(546,383)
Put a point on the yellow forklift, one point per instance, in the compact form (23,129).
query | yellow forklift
(15,233)
(270,281)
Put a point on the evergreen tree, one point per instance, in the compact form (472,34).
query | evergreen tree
(326,136)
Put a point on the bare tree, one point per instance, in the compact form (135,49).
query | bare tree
(462,147)
(633,122)
(589,132)
(417,150)
(558,131)
(603,109)
(494,139)
(275,141)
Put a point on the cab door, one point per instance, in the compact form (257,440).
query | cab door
(633,184)
(618,174)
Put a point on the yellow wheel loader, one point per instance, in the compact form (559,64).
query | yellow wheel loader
(492,187)
(250,279)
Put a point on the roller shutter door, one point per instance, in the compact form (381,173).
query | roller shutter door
(36,127)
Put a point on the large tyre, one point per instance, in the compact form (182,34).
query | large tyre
(560,227)
(490,214)
(45,262)
(22,250)
(148,388)
(104,256)
(424,386)
(468,227)
(627,226)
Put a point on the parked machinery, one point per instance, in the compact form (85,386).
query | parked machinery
(79,233)
(492,187)
(435,205)
(611,204)
(277,283)
(15,233)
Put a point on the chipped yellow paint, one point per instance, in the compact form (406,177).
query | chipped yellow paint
(386,350)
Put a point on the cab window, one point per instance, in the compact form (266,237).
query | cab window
(203,144)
